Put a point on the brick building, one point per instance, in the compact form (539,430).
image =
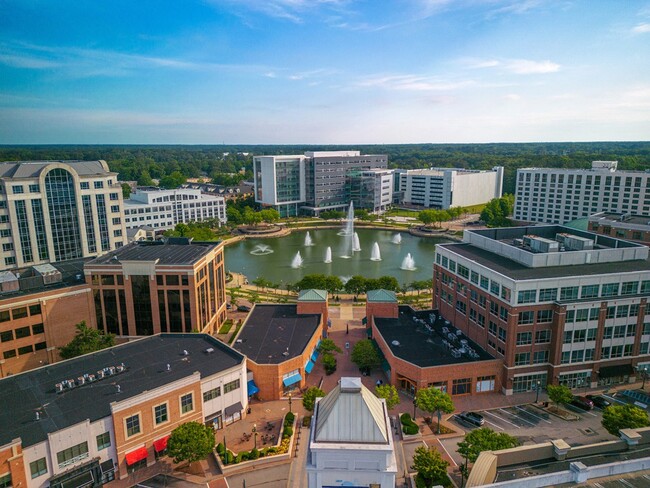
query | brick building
(280,343)
(422,349)
(555,304)
(621,225)
(105,415)
(39,308)
(147,288)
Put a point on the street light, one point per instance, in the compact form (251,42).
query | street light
(537,391)
(644,372)
(255,436)
(415,400)
(290,403)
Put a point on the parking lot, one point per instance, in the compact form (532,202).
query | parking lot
(530,424)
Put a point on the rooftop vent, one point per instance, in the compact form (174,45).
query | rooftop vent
(209,350)
(395,343)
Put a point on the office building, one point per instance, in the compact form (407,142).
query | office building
(622,226)
(54,211)
(448,187)
(316,181)
(148,287)
(39,308)
(557,305)
(163,209)
(106,415)
(557,196)
(350,440)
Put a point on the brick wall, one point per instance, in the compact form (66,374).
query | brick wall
(315,307)
(12,462)
(381,309)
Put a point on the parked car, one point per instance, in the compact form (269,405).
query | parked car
(599,401)
(471,418)
(243,308)
(582,402)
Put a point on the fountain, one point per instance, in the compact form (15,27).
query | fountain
(356,247)
(297,261)
(348,233)
(375,255)
(397,239)
(308,241)
(328,255)
(261,250)
(408,264)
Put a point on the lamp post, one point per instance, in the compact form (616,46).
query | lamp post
(290,403)
(254,436)
(644,372)
(537,391)
(415,401)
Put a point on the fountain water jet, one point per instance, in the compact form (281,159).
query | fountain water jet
(348,233)
(297,261)
(328,255)
(261,250)
(408,264)
(308,241)
(356,246)
(397,239)
(375,255)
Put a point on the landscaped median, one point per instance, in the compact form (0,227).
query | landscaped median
(230,462)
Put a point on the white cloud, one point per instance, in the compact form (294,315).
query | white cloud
(516,66)
(641,28)
(512,97)
(411,82)
(291,10)
(29,62)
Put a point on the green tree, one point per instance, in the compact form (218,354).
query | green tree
(388,393)
(126,190)
(434,400)
(250,217)
(328,346)
(427,217)
(332,214)
(173,180)
(559,394)
(430,466)
(86,340)
(333,283)
(365,356)
(329,363)
(497,210)
(484,439)
(190,442)
(617,417)
(356,285)
(269,215)
(309,397)
(144,179)
(388,283)
(234,216)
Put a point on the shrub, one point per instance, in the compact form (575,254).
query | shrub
(329,362)
(238,458)
(284,446)
(227,457)
(244,455)
(288,432)
(254,454)
(410,429)
(306,421)
(290,417)
(220,449)
(405,418)
(271,450)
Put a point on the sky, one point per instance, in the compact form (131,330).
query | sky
(323,71)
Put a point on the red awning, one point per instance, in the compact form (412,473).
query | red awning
(137,455)
(161,444)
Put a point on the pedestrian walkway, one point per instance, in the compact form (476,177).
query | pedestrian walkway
(346,311)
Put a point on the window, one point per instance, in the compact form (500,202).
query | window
(611,312)
(568,337)
(84,185)
(38,468)
(594,313)
(484,383)
(570,316)
(72,454)
(231,386)
(569,293)
(494,287)
(34,189)
(18,189)
(589,354)
(540,357)
(582,315)
(566,357)
(22,332)
(103,441)
(527,296)
(589,291)
(622,311)
(8,335)
(186,403)
(579,335)
(524,338)
(547,294)
(522,358)
(503,314)
(132,425)
(630,288)
(494,308)
(19,313)
(485,283)
(160,413)
(98,185)
(544,316)
(492,328)
(461,386)
(5,481)
(542,336)
(502,334)
(610,289)
(619,331)
(38,329)
(577,356)
(526,317)
(35,309)
(212,394)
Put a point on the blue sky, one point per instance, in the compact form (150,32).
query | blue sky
(323,71)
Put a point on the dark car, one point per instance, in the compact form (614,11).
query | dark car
(471,418)
(599,401)
(243,308)
(582,402)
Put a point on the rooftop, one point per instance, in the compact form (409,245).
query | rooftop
(32,169)
(381,296)
(30,281)
(624,218)
(312,296)
(426,339)
(145,361)
(273,334)
(170,252)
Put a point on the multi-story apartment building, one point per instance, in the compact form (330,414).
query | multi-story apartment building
(557,196)
(163,209)
(150,287)
(39,308)
(448,187)
(58,210)
(313,182)
(622,226)
(557,305)
(106,415)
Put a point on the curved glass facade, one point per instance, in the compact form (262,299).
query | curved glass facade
(64,216)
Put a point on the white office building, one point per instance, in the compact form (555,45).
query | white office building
(350,442)
(449,187)
(556,196)
(163,209)
(54,211)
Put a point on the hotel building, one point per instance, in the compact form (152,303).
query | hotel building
(557,196)
(54,211)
